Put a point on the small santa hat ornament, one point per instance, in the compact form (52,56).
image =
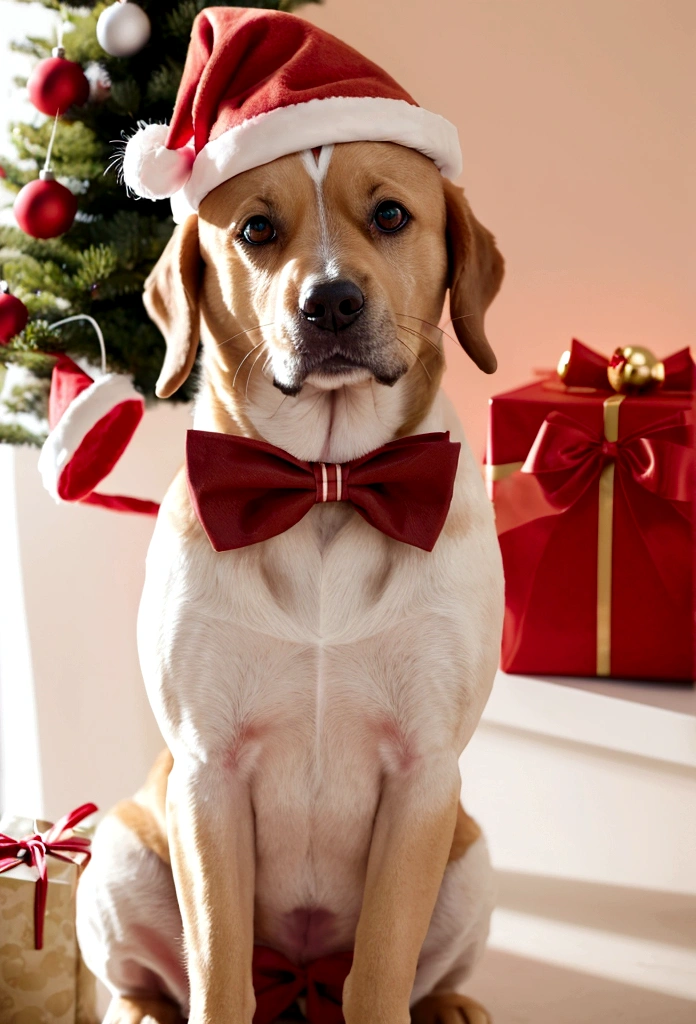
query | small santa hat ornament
(262,84)
(92,417)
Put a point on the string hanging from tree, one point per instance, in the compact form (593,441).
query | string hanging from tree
(44,208)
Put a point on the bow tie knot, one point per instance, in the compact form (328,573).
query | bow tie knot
(332,481)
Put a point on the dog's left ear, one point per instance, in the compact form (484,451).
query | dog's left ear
(171,299)
(475,271)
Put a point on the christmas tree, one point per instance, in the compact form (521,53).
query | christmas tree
(99,265)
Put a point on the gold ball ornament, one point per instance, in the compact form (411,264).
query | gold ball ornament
(563,364)
(633,368)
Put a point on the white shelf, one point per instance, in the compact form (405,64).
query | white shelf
(643,720)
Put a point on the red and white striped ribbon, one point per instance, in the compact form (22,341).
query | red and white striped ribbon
(330,483)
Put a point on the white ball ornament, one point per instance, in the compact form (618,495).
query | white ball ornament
(123,29)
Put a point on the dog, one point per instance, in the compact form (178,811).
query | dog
(315,690)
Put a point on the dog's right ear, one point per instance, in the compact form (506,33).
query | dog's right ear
(171,299)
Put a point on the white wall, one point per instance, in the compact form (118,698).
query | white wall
(18,21)
(74,720)
(71,576)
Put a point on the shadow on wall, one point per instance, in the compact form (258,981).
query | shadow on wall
(664,917)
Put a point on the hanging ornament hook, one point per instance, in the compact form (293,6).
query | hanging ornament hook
(95,325)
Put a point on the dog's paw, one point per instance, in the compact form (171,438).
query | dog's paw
(449,1008)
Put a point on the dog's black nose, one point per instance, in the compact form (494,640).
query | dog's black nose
(332,305)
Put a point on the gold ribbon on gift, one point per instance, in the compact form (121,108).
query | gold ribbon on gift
(494,474)
(605,531)
(605,527)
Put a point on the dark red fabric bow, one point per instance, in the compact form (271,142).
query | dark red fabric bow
(278,983)
(567,456)
(245,491)
(33,850)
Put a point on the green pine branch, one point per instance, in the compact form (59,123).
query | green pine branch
(100,265)
(13,433)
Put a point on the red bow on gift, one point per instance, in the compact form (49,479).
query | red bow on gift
(588,369)
(567,456)
(33,850)
(245,491)
(278,983)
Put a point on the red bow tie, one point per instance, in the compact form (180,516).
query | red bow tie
(278,983)
(246,491)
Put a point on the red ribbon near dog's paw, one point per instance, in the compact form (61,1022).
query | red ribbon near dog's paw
(34,848)
(278,983)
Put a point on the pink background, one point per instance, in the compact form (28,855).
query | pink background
(576,119)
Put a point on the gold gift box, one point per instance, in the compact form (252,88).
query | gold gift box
(49,985)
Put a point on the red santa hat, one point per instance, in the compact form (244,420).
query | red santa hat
(92,419)
(259,85)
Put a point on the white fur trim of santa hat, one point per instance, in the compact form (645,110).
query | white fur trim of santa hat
(83,413)
(152,171)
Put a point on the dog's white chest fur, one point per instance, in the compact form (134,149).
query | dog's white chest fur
(314,664)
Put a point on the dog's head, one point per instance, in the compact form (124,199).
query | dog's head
(328,270)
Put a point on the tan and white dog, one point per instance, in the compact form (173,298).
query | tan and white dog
(315,690)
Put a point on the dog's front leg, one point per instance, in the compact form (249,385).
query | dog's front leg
(211,834)
(411,840)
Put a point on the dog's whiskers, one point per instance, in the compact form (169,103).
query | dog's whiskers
(246,389)
(435,327)
(259,327)
(249,353)
(409,349)
(374,403)
(422,336)
(277,408)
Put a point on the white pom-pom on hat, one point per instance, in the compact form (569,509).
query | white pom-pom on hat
(150,169)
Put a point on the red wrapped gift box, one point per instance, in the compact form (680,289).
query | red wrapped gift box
(594,493)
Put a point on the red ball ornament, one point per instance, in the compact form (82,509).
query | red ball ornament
(44,208)
(56,84)
(13,315)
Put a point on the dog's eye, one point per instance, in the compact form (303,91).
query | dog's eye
(258,231)
(390,216)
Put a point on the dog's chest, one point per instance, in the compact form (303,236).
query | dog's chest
(329,635)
